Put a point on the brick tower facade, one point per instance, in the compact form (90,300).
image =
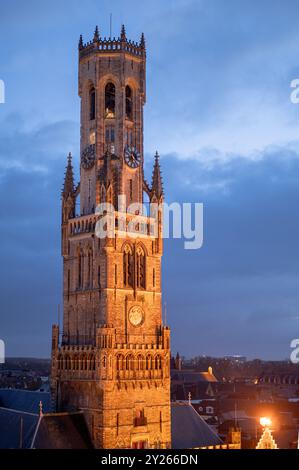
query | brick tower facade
(112,358)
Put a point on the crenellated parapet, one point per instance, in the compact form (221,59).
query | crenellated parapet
(112,45)
(132,361)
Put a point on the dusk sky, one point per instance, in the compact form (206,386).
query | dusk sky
(219,112)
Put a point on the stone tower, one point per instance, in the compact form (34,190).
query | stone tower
(112,358)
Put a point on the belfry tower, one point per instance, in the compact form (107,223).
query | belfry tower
(112,358)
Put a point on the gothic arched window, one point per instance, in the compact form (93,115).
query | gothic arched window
(140,268)
(130,362)
(80,269)
(89,267)
(148,363)
(92,104)
(139,362)
(120,362)
(110,100)
(84,362)
(129,103)
(158,363)
(128,267)
(91,362)
(99,276)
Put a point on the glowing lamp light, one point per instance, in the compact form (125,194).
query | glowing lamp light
(265,422)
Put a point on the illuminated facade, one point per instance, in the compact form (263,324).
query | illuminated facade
(112,359)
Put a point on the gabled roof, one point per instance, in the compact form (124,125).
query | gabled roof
(199,390)
(189,430)
(192,376)
(62,431)
(266,441)
(17,429)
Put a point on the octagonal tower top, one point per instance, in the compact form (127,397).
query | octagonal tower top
(110,45)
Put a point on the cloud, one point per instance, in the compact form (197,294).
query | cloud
(240,289)
(236,294)
(218,110)
(31,175)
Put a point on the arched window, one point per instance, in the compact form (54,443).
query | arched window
(130,362)
(109,100)
(129,103)
(128,267)
(120,362)
(92,362)
(158,363)
(83,362)
(99,276)
(89,267)
(139,362)
(92,104)
(140,268)
(148,364)
(80,269)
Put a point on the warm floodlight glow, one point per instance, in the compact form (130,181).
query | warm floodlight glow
(265,422)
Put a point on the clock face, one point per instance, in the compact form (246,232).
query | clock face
(136,315)
(132,156)
(88,157)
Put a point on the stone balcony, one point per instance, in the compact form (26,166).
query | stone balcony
(121,223)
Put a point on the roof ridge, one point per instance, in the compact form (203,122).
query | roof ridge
(210,427)
(18,411)
(36,430)
(63,413)
(17,390)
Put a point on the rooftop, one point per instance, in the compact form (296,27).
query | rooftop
(189,430)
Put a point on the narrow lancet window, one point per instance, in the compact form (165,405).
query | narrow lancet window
(110,100)
(129,103)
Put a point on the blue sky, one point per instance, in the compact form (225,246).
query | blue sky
(219,112)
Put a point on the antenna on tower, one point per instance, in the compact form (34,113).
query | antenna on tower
(110,25)
(165,311)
